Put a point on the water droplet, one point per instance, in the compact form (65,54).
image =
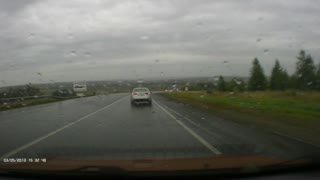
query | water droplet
(225,62)
(31,36)
(140,81)
(87,54)
(70,36)
(202,96)
(39,73)
(258,39)
(157,60)
(309,83)
(69,61)
(199,23)
(203,118)
(266,51)
(73,53)
(144,37)
(260,19)
(161,74)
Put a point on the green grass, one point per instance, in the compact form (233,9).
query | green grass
(289,112)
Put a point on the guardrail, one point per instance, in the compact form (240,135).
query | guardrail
(22,98)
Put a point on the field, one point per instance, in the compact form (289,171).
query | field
(291,113)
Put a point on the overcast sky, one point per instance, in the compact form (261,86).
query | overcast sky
(73,40)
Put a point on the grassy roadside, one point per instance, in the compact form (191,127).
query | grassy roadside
(296,114)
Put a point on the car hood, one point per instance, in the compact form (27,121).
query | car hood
(243,163)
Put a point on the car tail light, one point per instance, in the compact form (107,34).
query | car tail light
(148,93)
(133,94)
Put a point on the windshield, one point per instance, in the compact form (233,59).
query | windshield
(229,79)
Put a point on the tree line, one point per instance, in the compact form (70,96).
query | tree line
(23,91)
(305,77)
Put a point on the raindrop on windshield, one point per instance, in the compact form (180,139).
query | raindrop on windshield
(258,39)
(144,37)
(260,19)
(87,54)
(237,82)
(161,74)
(31,36)
(39,73)
(70,36)
(199,23)
(73,53)
(266,51)
(225,62)
(157,60)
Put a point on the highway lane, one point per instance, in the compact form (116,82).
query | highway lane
(23,125)
(108,126)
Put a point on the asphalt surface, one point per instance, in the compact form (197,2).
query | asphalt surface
(109,127)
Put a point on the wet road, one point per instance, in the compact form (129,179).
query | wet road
(109,127)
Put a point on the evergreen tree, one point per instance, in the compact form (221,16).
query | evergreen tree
(221,84)
(317,86)
(305,71)
(279,77)
(292,83)
(257,80)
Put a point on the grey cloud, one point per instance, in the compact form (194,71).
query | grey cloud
(122,39)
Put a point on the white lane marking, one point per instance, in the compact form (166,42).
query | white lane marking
(17,150)
(274,132)
(190,131)
(191,122)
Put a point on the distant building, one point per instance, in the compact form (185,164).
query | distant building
(172,88)
(79,87)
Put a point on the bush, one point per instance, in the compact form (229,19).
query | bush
(290,93)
